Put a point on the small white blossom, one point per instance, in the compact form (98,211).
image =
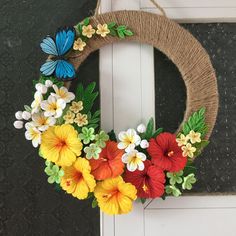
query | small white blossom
(144,144)
(63,93)
(141,128)
(48,83)
(41,88)
(38,98)
(134,160)
(53,106)
(18,124)
(128,140)
(18,115)
(26,115)
(33,134)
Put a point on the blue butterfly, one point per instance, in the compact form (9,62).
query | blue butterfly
(57,49)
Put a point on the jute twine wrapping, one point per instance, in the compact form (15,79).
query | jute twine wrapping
(177,44)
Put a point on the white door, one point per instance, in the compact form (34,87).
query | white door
(127,86)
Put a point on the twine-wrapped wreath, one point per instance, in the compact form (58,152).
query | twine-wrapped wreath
(142,163)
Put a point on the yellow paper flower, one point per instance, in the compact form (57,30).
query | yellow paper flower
(77,179)
(81,119)
(76,107)
(69,117)
(102,30)
(114,196)
(194,137)
(61,145)
(182,140)
(88,31)
(188,150)
(79,44)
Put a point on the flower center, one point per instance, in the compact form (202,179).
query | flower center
(111,194)
(145,188)
(170,154)
(61,143)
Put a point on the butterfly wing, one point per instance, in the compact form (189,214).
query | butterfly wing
(64,40)
(48,46)
(48,67)
(65,70)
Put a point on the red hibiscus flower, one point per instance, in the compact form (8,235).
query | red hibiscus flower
(149,182)
(109,164)
(166,153)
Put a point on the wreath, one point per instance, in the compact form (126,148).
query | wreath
(139,163)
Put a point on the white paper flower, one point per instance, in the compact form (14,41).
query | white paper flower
(26,115)
(63,94)
(141,128)
(18,124)
(33,134)
(41,88)
(48,83)
(53,106)
(128,140)
(38,98)
(41,122)
(134,160)
(144,144)
(18,115)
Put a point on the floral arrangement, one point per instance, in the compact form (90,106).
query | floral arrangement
(85,161)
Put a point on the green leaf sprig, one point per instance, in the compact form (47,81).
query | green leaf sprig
(121,31)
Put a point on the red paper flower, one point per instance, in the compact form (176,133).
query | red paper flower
(149,182)
(109,164)
(166,153)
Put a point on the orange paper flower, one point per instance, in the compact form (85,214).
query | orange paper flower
(109,164)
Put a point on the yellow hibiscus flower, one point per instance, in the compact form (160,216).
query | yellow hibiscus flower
(61,145)
(77,179)
(114,196)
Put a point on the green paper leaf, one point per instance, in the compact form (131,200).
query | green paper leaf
(157,132)
(112,135)
(143,200)
(128,33)
(150,128)
(94,203)
(86,21)
(121,28)
(27,108)
(111,25)
(113,33)
(121,34)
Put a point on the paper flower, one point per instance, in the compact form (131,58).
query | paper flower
(194,137)
(92,151)
(101,139)
(102,30)
(87,135)
(149,182)
(63,93)
(88,31)
(109,164)
(172,190)
(26,115)
(54,173)
(79,45)
(141,128)
(188,181)
(144,144)
(134,160)
(35,105)
(41,88)
(18,124)
(53,106)
(61,145)
(114,196)
(69,117)
(77,179)
(182,140)
(33,134)
(166,153)
(81,120)
(42,122)
(76,107)
(129,140)
(175,177)
(188,150)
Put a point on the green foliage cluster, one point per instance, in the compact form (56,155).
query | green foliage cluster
(119,30)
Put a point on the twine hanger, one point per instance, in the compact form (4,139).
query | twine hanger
(96,12)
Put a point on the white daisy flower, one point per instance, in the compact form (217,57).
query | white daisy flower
(38,98)
(134,160)
(63,94)
(42,122)
(33,134)
(129,140)
(53,106)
